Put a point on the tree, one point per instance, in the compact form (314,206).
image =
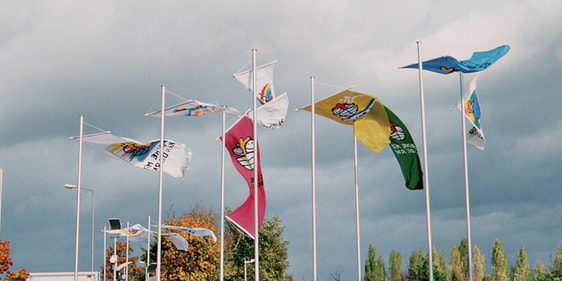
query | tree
(456,265)
(522,268)
(374,266)
(395,266)
(418,267)
(272,249)
(201,260)
(479,264)
(135,272)
(500,270)
(6,262)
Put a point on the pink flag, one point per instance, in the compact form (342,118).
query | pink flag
(240,144)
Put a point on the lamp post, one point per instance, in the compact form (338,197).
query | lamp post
(245,263)
(72,186)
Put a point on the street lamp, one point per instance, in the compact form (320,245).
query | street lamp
(245,263)
(72,186)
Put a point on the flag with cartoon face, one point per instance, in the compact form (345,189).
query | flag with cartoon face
(405,151)
(240,144)
(364,112)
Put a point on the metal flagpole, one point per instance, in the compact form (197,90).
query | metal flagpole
(159,242)
(425,168)
(256,180)
(1,172)
(313,165)
(222,196)
(357,231)
(78,198)
(104,253)
(465,167)
(147,251)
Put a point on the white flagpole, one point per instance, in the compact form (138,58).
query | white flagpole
(425,168)
(313,166)
(104,253)
(78,198)
(222,197)
(126,270)
(159,242)
(147,250)
(357,231)
(465,166)
(256,180)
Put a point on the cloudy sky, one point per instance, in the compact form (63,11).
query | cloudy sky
(107,60)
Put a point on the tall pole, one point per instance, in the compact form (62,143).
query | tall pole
(313,165)
(92,241)
(78,199)
(222,196)
(256,179)
(159,242)
(1,172)
(465,166)
(147,250)
(357,230)
(104,253)
(425,166)
(72,186)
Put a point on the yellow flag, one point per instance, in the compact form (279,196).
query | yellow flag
(366,113)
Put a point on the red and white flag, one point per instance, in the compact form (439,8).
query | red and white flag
(243,150)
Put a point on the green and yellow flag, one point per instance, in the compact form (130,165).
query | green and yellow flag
(366,113)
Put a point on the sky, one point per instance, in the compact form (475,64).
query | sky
(107,60)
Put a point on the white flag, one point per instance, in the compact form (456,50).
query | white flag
(272,114)
(264,81)
(194,108)
(176,156)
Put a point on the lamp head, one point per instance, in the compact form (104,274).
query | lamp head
(70,186)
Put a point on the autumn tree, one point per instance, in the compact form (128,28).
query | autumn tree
(522,268)
(6,262)
(479,264)
(455,264)
(202,258)
(123,254)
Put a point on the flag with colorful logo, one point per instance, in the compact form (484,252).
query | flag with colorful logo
(239,143)
(264,81)
(364,112)
(176,156)
(405,151)
(477,62)
(193,108)
(472,113)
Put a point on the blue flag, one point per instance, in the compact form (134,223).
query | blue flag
(478,62)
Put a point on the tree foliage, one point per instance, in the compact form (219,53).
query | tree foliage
(500,270)
(374,266)
(6,262)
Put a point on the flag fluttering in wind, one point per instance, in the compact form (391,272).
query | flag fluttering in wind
(364,112)
(272,114)
(194,108)
(477,62)
(471,110)
(135,233)
(197,231)
(176,156)
(405,151)
(240,145)
(264,81)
